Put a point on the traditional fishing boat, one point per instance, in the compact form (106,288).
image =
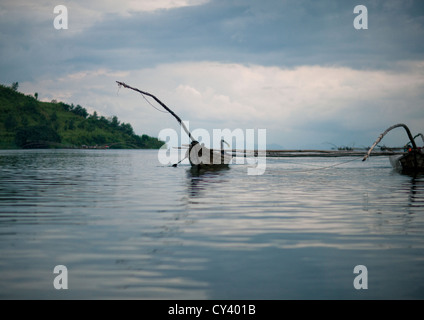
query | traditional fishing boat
(409,161)
(199,156)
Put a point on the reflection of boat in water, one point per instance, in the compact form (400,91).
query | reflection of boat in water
(199,171)
(409,161)
(416,192)
(202,179)
(197,153)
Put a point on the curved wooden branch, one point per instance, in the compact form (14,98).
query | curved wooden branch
(161,103)
(420,134)
(385,132)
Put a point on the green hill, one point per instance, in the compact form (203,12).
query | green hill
(26,122)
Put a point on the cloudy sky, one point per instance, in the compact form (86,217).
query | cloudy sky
(297,68)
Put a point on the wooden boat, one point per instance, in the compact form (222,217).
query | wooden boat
(201,156)
(198,154)
(411,161)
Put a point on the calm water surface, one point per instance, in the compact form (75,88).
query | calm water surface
(128,227)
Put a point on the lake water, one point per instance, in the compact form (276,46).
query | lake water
(128,227)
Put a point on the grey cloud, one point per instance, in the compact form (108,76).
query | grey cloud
(281,33)
(252,33)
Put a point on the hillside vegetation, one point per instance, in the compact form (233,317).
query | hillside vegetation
(26,122)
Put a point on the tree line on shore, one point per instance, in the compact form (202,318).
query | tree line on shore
(26,122)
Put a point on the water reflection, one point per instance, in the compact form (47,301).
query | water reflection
(416,192)
(57,187)
(200,178)
(195,171)
(148,231)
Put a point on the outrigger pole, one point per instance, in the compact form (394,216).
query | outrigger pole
(418,135)
(414,146)
(162,104)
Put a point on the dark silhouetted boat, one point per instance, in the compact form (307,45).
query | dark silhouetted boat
(411,161)
(198,155)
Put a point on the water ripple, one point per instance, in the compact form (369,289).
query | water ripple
(127,227)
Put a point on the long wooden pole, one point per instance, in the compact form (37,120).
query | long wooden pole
(161,103)
(385,132)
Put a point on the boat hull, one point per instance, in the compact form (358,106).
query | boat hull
(412,162)
(202,157)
